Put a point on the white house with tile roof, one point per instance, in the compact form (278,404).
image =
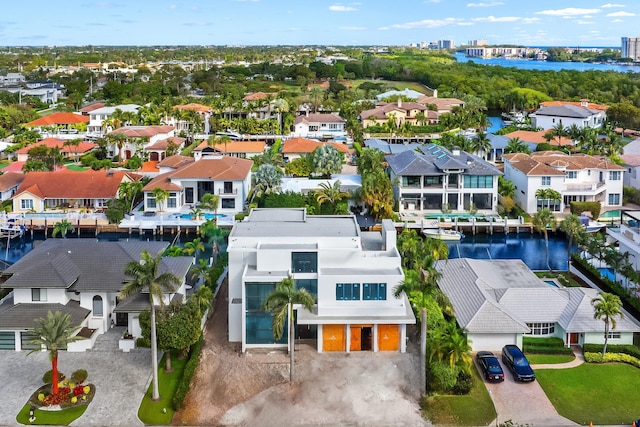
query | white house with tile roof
(433,177)
(582,115)
(577,177)
(323,126)
(352,274)
(80,277)
(497,302)
(99,116)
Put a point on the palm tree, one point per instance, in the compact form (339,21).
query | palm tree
(160,195)
(128,192)
(544,220)
(606,307)
(327,160)
(146,278)
(73,143)
(516,145)
(210,201)
(203,298)
(506,187)
(195,245)
(482,143)
(280,303)
(572,226)
(267,179)
(54,333)
(62,228)
(331,194)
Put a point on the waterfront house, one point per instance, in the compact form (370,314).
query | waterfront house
(398,112)
(82,278)
(9,183)
(351,273)
(322,126)
(435,178)
(240,149)
(101,122)
(68,190)
(69,151)
(295,148)
(181,122)
(227,177)
(577,177)
(158,150)
(533,138)
(582,114)
(59,122)
(137,138)
(498,302)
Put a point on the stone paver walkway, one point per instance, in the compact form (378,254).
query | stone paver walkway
(579,360)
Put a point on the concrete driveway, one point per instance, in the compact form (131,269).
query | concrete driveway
(522,403)
(120,379)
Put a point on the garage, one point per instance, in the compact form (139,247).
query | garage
(491,341)
(388,337)
(7,340)
(333,338)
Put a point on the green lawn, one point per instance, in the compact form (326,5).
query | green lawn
(598,393)
(63,417)
(76,167)
(4,163)
(474,409)
(541,359)
(154,413)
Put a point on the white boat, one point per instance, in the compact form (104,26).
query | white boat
(594,226)
(442,234)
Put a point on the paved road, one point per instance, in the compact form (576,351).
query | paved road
(120,378)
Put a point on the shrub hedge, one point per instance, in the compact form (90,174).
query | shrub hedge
(578,207)
(187,375)
(550,345)
(611,357)
(629,349)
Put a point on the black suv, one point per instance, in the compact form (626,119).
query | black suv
(513,357)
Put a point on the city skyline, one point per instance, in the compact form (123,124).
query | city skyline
(287,22)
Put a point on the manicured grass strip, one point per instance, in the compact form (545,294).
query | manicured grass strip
(153,413)
(598,393)
(78,167)
(474,409)
(64,417)
(4,163)
(541,359)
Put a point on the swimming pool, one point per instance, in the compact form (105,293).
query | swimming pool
(611,214)
(453,216)
(608,273)
(206,216)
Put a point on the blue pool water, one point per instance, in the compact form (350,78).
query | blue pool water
(608,273)
(206,216)
(496,123)
(551,283)
(611,214)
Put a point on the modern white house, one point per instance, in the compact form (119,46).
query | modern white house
(138,138)
(80,277)
(187,181)
(351,273)
(581,114)
(632,175)
(435,177)
(98,118)
(322,126)
(577,177)
(498,302)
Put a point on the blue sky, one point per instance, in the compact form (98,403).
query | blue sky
(267,22)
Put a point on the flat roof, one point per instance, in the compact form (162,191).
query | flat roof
(294,223)
(361,272)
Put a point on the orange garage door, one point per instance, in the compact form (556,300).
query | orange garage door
(388,337)
(355,338)
(333,338)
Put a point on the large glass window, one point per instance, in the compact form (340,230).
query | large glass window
(374,291)
(304,262)
(311,285)
(151,202)
(38,294)
(614,199)
(545,180)
(347,291)
(615,175)
(228,203)
(572,174)
(97,306)
(541,328)
(259,323)
(433,181)
(172,200)
(478,181)
(411,181)
(26,204)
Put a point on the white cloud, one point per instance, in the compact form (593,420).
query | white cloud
(618,20)
(341,8)
(530,20)
(352,28)
(609,5)
(581,22)
(425,23)
(489,4)
(621,13)
(569,11)
(498,19)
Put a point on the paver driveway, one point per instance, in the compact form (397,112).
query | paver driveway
(120,379)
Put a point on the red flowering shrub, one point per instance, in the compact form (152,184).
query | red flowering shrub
(78,390)
(57,399)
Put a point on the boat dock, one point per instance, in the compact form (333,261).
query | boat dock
(471,225)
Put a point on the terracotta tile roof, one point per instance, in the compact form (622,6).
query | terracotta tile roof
(319,118)
(149,166)
(141,131)
(175,161)
(538,137)
(82,148)
(257,95)
(577,104)
(163,143)
(440,103)
(59,118)
(302,145)
(194,107)
(91,107)
(14,167)
(235,146)
(543,162)
(10,179)
(74,185)
(214,168)
(383,108)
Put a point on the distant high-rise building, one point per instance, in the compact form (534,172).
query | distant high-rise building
(631,48)
(446,44)
(479,42)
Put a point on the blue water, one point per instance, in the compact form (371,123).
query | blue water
(206,216)
(496,124)
(611,214)
(528,247)
(608,273)
(551,283)
(527,64)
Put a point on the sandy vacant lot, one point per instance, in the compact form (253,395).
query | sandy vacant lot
(232,389)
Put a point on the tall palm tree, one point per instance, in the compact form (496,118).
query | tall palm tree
(62,227)
(147,277)
(573,228)
(482,143)
(516,145)
(210,201)
(129,191)
(331,194)
(203,298)
(161,196)
(607,307)
(506,187)
(194,246)
(280,303)
(544,220)
(54,333)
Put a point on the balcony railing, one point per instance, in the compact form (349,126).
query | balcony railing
(585,187)
(228,191)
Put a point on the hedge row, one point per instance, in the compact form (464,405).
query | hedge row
(547,350)
(629,349)
(578,207)
(612,357)
(550,345)
(187,375)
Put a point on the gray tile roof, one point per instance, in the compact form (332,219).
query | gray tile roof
(22,316)
(566,111)
(502,296)
(94,266)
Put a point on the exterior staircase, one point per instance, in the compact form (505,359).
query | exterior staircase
(108,342)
